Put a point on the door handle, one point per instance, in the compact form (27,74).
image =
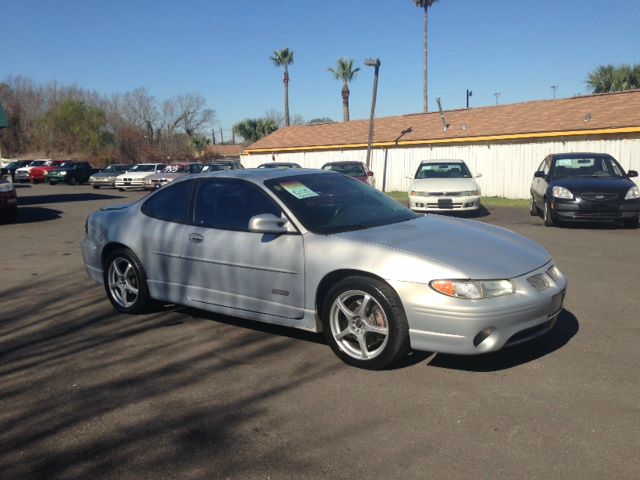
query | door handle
(196,238)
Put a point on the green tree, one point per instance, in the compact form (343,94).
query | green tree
(253,130)
(609,78)
(425,5)
(344,71)
(74,126)
(284,58)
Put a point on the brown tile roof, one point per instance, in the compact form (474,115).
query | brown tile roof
(545,118)
(224,150)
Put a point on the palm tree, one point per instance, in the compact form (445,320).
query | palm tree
(344,71)
(284,58)
(253,129)
(425,4)
(609,78)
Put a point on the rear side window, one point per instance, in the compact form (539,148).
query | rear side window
(170,203)
(229,204)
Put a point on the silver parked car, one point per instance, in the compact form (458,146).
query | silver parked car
(319,250)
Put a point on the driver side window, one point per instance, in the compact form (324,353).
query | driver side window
(229,204)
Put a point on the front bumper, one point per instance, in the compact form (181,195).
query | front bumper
(438,323)
(22,177)
(154,183)
(136,183)
(584,211)
(102,181)
(55,178)
(444,203)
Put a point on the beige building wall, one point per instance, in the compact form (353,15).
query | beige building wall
(507,168)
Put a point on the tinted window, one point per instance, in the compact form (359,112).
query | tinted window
(329,203)
(351,169)
(171,203)
(587,167)
(229,204)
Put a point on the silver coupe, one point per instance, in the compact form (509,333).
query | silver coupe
(321,251)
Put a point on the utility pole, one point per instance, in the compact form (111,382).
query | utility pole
(554,88)
(497,95)
(372,62)
(213,135)
(469,94)
(221,136)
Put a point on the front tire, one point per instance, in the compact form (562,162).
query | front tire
(72,180)
(125,282)
(547,215)
(95,187)
(533,208)
(364,323)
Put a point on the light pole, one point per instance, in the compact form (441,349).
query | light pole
(372,62)
(469,94)
(554,88)
(497,95)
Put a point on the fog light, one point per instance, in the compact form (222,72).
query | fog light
(482,336)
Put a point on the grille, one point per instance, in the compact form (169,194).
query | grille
(539,282)
(599,197)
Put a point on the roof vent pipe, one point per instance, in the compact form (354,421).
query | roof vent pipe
(445,125)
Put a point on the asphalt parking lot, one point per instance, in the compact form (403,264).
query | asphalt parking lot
(88,393)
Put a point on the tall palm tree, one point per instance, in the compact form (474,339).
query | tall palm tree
(344,71)
(284,58)
(425,4)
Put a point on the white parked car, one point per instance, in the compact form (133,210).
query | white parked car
(444,185)
(134,178)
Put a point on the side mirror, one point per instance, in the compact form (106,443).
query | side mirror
(369,173)
(268,223)
(632,173)
(539,174)
(478,175)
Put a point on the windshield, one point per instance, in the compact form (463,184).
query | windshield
(327,203)
(443,170)
(38,163)
(215,167)
(116,168)
(351,169)
(13,165)
(143,168)
(587,167)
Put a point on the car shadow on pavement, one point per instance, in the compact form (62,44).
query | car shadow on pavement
(65,197)
(33,214)
(566,328)
(480,213)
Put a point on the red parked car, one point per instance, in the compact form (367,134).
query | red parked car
(357,170)
(39,174)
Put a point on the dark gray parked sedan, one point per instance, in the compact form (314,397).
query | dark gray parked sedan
(319,250)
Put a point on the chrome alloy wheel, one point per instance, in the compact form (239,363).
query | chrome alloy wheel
(123,282)
(359,325)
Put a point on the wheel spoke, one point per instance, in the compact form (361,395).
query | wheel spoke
(131,288)
(375,329)
(363,347)
(342,334)
(362,310)
(127,270)
(117,269)
(344,309)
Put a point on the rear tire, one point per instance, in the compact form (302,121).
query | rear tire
(72,180)
(95,187)
(125,282)
(364,323)
(533,209)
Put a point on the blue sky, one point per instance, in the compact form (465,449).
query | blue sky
(221,48)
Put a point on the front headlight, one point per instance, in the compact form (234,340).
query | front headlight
(561,192)
(418,193)
(473,289)
(632,194)
(470,193)
(62,173)
(6,187)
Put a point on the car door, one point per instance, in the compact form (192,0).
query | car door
(539,185)
(227,265)
(160,230)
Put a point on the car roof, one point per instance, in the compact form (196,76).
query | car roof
(442,160)
(344,162)
(579,155)
(259,175)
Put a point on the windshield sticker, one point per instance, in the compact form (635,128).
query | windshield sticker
(298,190)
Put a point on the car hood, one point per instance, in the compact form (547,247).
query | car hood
(166,175)
(106,174)
(135,174)
(594,184)
(479,250)
(444,184)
